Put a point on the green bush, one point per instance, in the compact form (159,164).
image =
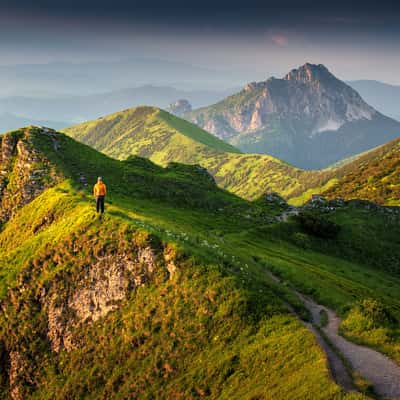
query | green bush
(370,323)
(368,314)
(318,226)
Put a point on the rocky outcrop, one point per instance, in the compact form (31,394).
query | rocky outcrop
(25,172)
(310,93)
(105,286)
(180,107)
(100,289)
(18,367)
(76,296)
(8,145)
(274,198)
(308,118)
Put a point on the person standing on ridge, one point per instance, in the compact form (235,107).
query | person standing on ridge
(99,192)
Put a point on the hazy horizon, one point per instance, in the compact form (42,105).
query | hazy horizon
(240,42)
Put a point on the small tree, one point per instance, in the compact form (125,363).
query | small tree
(317,225)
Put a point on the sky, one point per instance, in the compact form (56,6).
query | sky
(354,39)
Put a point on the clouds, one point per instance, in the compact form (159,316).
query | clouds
(280,39)
(258,37)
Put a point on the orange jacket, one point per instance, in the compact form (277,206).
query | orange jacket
(99,189)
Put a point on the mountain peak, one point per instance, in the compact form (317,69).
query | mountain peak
(309,73)
(308,118)
(180,107)
(306,73)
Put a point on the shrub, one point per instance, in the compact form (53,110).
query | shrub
(301,239)
(317,225)
(366,315)
(374,312)
(368,322)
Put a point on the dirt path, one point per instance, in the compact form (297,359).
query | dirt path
(378,369)
(373,366)
(338,370)
(286,214)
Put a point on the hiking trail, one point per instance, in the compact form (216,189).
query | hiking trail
(376,368)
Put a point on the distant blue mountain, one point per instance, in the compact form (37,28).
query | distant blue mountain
(73,109)
(9,122)
(382,96)
(51,79)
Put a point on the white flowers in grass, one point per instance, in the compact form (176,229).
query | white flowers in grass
(207,244)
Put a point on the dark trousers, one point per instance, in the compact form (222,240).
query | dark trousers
(100,204)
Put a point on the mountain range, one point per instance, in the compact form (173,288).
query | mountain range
(382,96)
(53,79)
(73,109)
(10,122)
(309,118)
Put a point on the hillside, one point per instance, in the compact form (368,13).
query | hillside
(309,119)
(169,294)
(163,138)
(168,205)
(149,130)
(373,176)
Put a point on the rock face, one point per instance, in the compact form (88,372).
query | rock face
(77,297)
(99,291)
(180,107)
(274,198)
(309,118)
(17,365)
(24,171)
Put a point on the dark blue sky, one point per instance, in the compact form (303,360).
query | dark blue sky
(227,12)
(356,39)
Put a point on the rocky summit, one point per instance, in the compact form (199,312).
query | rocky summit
(180,107)
(24,171)
(308,118)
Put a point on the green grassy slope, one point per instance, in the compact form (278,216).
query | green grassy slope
(163,138)
(218,327)
(373,176)
(148,129)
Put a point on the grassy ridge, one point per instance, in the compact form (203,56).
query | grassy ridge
(218,329)
(197,336)
(163,138)
(373,176)
(146,127)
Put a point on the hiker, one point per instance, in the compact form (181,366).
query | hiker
(99,192)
